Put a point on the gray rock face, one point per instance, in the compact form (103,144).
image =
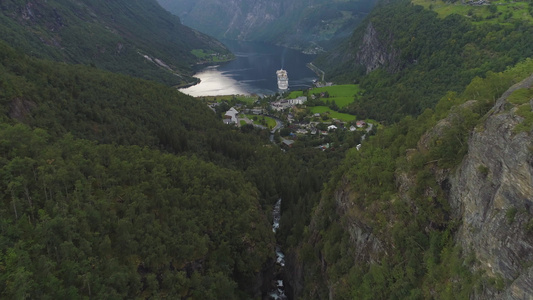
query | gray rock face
(492,196)
(375,51)
(232,19)
(366,246)
(302,24)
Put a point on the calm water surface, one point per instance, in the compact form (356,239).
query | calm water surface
(254,71)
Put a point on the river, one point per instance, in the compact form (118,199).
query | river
(278,293)
(253,71)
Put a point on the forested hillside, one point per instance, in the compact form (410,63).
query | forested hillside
(407,57)
(121,187)
(423,209)
(82,220)
(137,38)
(307,25)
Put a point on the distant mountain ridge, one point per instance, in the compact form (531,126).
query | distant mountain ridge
(304,24)
(136,38)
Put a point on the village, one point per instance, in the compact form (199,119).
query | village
(299,118)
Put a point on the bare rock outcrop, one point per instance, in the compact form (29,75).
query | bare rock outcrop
(376,51)
(492,196)
(20,109)
(366,246)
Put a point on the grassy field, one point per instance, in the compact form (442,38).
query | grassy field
(345,90)
(263,121)
(340,101)
(333,114)
(497,12)
(342,94)
(295,94)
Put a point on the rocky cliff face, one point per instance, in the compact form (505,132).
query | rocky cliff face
(298,23)
(368,49)
(481,203)
(367,247)
(376,51)
(244,23)
(492,196)
(234,19)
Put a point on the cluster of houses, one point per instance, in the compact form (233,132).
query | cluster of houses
(296,128)
(287,103)
(311,128)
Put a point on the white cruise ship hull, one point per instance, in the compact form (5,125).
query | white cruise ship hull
(283,79)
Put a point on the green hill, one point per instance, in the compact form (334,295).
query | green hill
(136,38)
(388,225)
(405,57)
(108,211)
(122,187)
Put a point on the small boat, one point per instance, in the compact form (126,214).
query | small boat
(283,79)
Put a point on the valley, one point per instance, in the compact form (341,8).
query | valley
(253,71)
(405,173)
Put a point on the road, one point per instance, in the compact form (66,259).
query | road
(278,126)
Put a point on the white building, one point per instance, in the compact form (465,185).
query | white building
(230,117)
(299,100)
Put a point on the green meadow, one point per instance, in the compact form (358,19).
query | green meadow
(262,120)
(343,95)
(332,114)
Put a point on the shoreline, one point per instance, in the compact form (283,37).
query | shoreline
(188,84)
(317,70)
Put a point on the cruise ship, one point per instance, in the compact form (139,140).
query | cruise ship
(283,79)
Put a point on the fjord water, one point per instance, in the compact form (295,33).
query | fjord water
(253,71)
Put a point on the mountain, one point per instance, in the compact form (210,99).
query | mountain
(407,57)
(122,187)
(304,24)
(112,209)
(437,206)
(126,188)
(137,38)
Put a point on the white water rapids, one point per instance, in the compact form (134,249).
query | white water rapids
(279,292)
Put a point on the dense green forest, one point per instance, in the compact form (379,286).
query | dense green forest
(430,56)
(395,189)
(127,188)
(120,187)
(81,220)
(136,38)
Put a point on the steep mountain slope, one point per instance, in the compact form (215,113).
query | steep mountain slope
(303,24)
(407,57)
(492,190)
(126,188)
(137,38)
(97,206)
(109,221)
(434,207)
